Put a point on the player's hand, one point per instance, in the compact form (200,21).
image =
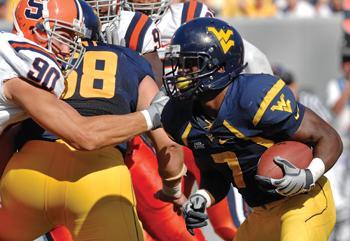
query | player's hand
(178,202)
(157,106)
(194,212)
(294,181)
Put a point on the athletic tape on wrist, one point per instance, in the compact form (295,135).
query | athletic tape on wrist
(205,194)
(317,168)
(148,119)
(175,191)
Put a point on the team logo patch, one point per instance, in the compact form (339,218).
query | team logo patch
(198,145)
(282,105)
(224,38)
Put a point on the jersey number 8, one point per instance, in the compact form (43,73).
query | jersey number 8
(98,78)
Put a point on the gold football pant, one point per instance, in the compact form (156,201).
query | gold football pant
(48,183)
(304,217)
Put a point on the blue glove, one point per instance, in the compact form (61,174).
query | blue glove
(294,181)
(194,212)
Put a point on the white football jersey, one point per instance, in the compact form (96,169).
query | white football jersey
(25,59)
(179,13)
(176,15)
(134,30)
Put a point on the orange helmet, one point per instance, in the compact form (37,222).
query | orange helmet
(42,21)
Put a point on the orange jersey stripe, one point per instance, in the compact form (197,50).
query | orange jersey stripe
(191,10)
(136,33)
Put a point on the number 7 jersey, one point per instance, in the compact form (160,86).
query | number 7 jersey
(22,58)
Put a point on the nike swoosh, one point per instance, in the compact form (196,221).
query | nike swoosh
(221,141)
(297,114)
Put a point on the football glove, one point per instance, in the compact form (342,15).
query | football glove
(154,111)
(294,181)
(194,212)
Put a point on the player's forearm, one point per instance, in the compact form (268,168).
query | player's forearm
(326,142)
(328,147)
(83,133)
(170,158)
(113,129)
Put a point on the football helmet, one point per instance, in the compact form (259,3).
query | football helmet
(106,10)
(155,9)
(44,21)
(206,54)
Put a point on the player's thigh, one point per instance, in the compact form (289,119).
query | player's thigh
(22,190)
(101,202)
(312,214)
(110,219)
(261,225)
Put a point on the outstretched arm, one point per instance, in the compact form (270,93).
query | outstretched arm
(169,154)
(56,116)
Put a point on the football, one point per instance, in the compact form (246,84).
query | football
(295,152)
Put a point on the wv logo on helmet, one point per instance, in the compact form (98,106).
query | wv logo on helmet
(224,38)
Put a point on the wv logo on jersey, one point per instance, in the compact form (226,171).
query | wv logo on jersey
(224,38)
(282,105)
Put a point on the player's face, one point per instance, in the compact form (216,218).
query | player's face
(60,48)
(188,70)
(103,9)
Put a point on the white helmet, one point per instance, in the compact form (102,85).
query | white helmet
(154,9)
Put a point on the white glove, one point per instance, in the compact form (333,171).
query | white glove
(154,111)
(294,181)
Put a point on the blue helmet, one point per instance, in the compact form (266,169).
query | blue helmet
(91,21)
(206,54)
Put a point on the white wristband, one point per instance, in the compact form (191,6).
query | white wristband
(317,168)
(148,119)
(205,195)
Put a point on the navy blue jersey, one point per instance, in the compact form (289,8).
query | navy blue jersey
(257,111)
(107,80)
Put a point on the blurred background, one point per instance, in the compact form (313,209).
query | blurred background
(308,44)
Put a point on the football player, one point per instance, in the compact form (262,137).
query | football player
(89,192)
(228,119)
(168,17)
(133,30)
(44,41)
